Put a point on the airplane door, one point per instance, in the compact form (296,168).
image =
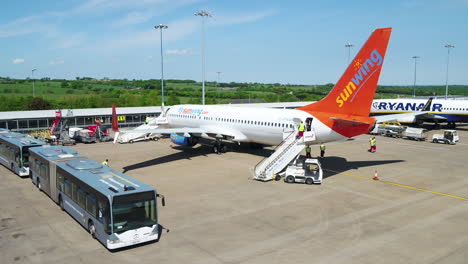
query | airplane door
(308,124)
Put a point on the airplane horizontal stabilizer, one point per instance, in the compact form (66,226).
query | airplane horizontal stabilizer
(348,122)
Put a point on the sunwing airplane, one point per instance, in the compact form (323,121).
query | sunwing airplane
(343,114)
(440,111)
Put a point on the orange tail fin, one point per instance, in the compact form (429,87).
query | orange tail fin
(354,92)
(115,124)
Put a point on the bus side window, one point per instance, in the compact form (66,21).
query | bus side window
(91,205)
(81,198)
(43,170)
(68,188)
(60,181)
(74,192)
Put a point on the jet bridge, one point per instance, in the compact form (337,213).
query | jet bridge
(287,151)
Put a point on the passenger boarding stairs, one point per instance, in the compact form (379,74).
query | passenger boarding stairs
(288,150)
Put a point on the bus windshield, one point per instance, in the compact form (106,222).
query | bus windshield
(133,211)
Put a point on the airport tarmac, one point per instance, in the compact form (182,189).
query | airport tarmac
(415,213)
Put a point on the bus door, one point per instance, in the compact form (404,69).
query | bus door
(53,181)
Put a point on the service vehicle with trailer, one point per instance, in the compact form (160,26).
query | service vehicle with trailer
(414,133)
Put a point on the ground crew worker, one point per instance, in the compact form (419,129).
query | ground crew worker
(301,130)
(105,162)
(373,147)
(308,152)
(147,120)
(322,150)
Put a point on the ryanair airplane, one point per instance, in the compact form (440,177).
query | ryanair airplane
(434,110)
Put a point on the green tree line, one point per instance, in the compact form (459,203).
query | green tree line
(86,92)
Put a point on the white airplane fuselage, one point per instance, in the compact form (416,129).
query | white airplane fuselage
(257,125)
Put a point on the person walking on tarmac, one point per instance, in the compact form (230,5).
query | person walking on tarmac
(373,147)
(147,120)
(301,130)
(308,152)
(322,150)
(105,163)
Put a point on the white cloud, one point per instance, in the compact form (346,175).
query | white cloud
(177,30)
(133,18)
(18,61)
(56,62)
(28,25)
(183,52)
(242,19)
(69,41)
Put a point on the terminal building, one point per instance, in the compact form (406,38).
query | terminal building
(29,121)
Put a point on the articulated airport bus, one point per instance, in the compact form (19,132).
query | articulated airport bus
(116,209)
(14,151)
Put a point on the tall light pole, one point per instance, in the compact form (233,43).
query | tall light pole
(217,86)
(203,14)
(161,27)
(349,46)
(414,85)
(448,46)
(34,90)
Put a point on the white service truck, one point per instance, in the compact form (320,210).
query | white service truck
(449,137)
(302,170)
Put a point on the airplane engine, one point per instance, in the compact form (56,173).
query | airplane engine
(184,141)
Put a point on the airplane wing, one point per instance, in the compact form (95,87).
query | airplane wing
(399,117)
(214,132)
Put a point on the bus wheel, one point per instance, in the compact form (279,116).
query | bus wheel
(309,181)
(39,186)
(92,229)
(290,179)
(61,203)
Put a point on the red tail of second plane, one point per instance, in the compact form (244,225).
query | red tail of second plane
(348,103)
(115,124)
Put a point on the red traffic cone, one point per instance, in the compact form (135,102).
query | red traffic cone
(376,177)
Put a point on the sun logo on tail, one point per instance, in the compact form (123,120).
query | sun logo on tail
(357,64)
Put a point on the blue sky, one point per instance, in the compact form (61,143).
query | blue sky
(297,42)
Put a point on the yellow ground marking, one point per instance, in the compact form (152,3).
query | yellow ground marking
(399,185)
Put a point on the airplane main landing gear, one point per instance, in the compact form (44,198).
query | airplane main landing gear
(219,147)
(451,125)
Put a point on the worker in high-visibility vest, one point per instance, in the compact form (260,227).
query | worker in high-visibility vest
(301,130)
(105,163)
(147,120)
(373,147)
(322,150)
(308,152)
